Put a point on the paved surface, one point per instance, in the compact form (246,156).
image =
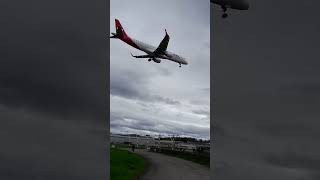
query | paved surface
(162,167)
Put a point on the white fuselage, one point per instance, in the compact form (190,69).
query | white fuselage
(149,49)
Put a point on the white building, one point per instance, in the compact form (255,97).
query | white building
(137,140)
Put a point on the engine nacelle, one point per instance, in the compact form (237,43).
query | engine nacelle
(157,60)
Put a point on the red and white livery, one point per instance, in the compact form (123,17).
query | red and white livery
(152,53)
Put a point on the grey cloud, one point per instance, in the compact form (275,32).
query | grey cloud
(164,90)
(124,86)
(217,129)
(42,153)
(282,129)
(266,90)
(304,92)
(134,85)
(201,112)
(293,160)
(52,89)
(38,75)
(118,122)
(167,100)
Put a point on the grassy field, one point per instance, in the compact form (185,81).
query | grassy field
(125,165)
(123,146)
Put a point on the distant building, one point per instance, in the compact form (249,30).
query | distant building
(131,139)
(182,144)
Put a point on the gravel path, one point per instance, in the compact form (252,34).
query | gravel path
(163,167)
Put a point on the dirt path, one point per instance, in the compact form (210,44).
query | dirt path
(162,167)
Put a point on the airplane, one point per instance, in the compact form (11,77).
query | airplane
(233,4)
(152,53)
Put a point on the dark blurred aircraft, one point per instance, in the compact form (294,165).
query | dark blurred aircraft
(233,4)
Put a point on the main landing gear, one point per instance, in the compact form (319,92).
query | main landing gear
(149,59)
(179,64)
(224,9)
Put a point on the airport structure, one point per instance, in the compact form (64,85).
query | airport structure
(131,139)
(157,144)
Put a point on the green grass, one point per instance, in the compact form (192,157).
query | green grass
(200,158)
(123,146)
(125,165)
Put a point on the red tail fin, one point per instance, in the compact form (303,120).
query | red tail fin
(120,31)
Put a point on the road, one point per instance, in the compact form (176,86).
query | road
(162,167)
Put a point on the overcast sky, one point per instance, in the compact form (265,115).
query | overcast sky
(53,81)
(151,98)
(52,89)
(267,91)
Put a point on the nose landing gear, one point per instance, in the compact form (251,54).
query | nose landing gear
(224,9)
(179,64)
(224,15)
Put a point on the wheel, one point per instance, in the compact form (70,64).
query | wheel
(224,15)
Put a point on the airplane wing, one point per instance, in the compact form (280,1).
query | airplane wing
(163,45)
(142,56)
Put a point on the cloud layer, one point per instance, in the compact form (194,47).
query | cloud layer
(266,81)
(150,98)
(52,90)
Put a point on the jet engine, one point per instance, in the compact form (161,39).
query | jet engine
(157,60)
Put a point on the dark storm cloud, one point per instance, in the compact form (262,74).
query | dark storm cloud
(266,82)
(52,89)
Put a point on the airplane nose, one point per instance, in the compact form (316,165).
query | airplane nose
(240,5)
(246,5)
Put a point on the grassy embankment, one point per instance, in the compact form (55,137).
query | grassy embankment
(125,165)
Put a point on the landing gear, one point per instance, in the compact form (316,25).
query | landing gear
(149,59)
(224,15)
(179,64)
(224,9)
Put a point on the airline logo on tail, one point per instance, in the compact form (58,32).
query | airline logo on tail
(119,29)
(121,34)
